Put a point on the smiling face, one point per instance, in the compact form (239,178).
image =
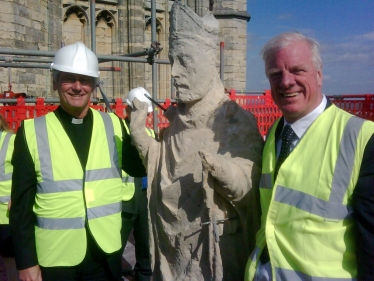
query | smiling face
(295,82)
(75,92)
(192,71)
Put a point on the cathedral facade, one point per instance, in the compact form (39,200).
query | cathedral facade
(121,27)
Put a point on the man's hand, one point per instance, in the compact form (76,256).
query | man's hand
(31,274)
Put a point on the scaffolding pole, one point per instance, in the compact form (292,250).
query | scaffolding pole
(154,66)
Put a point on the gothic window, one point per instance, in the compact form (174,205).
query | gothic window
(73,29)
(105,25)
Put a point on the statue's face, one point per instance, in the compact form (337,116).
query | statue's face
(193,71)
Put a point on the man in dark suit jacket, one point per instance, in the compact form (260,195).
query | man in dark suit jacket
(317,194)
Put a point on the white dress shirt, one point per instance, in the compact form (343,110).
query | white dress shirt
(302,125)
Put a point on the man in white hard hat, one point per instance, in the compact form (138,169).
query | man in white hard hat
(67,189)
(135,211)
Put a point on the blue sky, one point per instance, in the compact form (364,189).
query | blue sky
(344,29)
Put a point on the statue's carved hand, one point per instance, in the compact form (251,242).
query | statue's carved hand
(232,175)
(211,164)
(138,133)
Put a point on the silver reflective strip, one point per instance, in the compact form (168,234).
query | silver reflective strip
(334,208)
(4,199)
(48,186)
(287,274)
(5,177)
(43,149)
(311,204)
(60,223)
(111,138)
(103,211)
(266,181)
(128,179)
(100,174)
(3,152)
(255,253)
(346,158)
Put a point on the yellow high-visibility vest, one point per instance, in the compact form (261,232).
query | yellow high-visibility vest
(6,171)
(70,199)
(307,212)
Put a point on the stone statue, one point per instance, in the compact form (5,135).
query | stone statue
(203,175)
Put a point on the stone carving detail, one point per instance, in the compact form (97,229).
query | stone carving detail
(204,171)
(78,11)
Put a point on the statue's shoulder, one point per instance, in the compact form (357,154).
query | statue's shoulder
(234,112)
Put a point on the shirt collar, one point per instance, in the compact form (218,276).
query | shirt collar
(301,125)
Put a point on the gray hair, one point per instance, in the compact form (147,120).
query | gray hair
(287,38)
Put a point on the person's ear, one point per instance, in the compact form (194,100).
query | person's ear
(319,77)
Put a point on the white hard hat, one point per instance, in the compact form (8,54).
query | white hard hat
(76,58)
(139,94)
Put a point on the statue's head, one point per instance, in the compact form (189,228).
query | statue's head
(193,48)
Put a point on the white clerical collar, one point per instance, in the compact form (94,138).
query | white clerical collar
(301,125)
(77,121)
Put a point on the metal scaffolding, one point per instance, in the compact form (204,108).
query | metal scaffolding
(42,63)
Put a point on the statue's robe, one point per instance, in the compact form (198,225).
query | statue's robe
(202,228)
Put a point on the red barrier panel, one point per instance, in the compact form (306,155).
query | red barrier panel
(266,112)
(359,105)
(261,106)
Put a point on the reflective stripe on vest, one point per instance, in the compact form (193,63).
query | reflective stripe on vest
(5,199)
(292,202)
(6,171)
(288,275)
(91,197)
(126,178)
(3,152)
(334,208)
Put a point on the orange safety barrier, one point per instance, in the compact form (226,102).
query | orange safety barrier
(359,105)
(261,106)
(15,114)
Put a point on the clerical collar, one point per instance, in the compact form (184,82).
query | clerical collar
(77,121)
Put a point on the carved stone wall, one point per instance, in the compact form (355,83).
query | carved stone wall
(122,27)
(29,25)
